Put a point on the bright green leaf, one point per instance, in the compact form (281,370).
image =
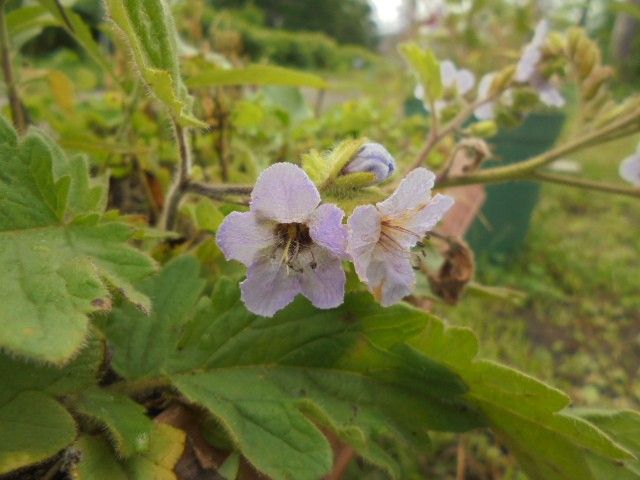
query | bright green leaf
(97,461)
(426,67)
(53,267)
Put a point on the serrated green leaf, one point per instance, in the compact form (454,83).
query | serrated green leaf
(426,67)
(256,75)
(623,426)
(126,420)
(33,427)
(98,461)
(142,343)
(148,29)
(263,377)
(52,268)
(524,412)
(21,375)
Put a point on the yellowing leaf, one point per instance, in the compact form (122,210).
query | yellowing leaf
(62,90)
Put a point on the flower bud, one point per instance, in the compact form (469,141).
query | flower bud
(484,128)
(372,158)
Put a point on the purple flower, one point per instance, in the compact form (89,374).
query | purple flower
(373,158)
(460,78)
(453,79)
(380,237)
(527,68)
(290,243)
(630,168)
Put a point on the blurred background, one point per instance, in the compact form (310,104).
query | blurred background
(557,288)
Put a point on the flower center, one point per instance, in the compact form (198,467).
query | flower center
(294,239)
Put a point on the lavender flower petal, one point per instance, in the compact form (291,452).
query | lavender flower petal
(532,53)
(413,191)
(284,193)
(324,284)
(269,287)
(391,277)
(242,236)
(363,229)
(630,168)
(486,110)
(326,229)
(417,223)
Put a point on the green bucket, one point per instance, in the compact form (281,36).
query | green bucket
(499,230)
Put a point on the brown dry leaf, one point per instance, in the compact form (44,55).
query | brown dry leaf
(454,274)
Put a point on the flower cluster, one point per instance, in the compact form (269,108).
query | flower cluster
(527,73)
(292,244)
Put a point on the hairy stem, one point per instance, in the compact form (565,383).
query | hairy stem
(17,113)
(181,182)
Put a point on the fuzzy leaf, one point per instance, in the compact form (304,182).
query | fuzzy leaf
(378,377)
(263,378)
(21,375)
(148,29)
(141,343)
(33,427)
(623,426)
(126,420)
(527,414)
(55,252)
(426,67)
(324,169)
(157,462)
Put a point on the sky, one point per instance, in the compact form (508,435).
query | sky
(387,14)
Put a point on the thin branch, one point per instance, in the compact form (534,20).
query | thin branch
(588,184)
(180,184)
(526,168)
(455,124)
(218,192)
(17,113)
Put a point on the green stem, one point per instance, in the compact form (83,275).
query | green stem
(456,123)
(17,113)
(587,184)
(218,192)
(526,168)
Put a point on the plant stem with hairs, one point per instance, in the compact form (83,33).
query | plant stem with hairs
(181,182)
(17,113)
